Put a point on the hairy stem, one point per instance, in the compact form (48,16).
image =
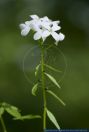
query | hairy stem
(3,124)
(43,88)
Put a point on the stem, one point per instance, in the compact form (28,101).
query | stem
(43,88)
(3,124)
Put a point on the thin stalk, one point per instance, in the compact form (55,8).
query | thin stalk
(43,88)
(3,124)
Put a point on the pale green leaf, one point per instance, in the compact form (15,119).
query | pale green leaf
(37,69)
(53,119)
(53,94)
(1,111)
(12,110)
(27,117)
(53,80)
(34,89)
(52,68)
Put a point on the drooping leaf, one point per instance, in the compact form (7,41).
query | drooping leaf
(27,117)
(13,111)
(52,68)
(53,119)
(53,80)
(34,89)
(53,94)
(37,69)
(1,111)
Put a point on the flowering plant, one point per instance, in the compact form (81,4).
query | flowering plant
(43,28)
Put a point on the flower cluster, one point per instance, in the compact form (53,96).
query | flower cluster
(43,28)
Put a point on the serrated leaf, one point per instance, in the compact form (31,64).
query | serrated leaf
(13,111)
(55,96)
(52,68)
(37,69)
(34,89)
(1,111)
(27,117)
(53,119)
(52,79)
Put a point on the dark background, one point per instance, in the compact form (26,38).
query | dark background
(14,86)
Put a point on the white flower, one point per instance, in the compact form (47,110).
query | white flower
(52,31)
(43,28)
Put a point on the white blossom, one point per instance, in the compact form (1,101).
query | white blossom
(43,28)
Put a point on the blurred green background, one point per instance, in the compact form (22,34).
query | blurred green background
(15,87)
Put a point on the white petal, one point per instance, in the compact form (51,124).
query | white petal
(55,27)
(56,22)
(22,26)
(55,36)
(35,27)
(61,36)
(34,17)
(45,19)
(46,25)
(37,36)
(25,31)
(45,34)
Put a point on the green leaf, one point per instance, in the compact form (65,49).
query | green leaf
(27,117)
(53,119)
(52,68)
(34,89)
(1,111)
(52,79)
(12,110)
(53,94)
(37,69)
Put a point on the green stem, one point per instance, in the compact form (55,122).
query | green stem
(43,88)
(3,124)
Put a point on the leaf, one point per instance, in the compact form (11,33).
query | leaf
(53,94)
(52,68)
(37,69)
(12,110)
(34,89)
(53,119)
(27,117)
(52,79)
(1,111)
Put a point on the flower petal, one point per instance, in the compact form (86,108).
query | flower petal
(55,27)
(37,36)
(45,34)
(45,19)
(61,36)
(55,36)
(25,31)
(34,16)
(46,25)
(56,22)
(35,27)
